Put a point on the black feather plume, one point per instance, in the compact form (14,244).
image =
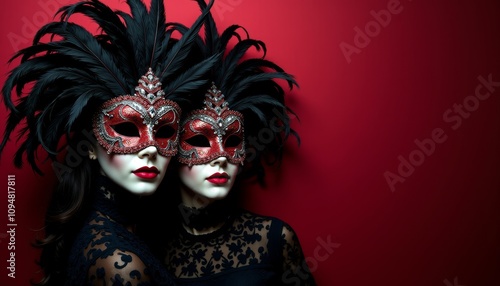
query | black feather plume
(251,85)
(68,72)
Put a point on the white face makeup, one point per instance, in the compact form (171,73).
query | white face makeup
(202,184)
(139,173)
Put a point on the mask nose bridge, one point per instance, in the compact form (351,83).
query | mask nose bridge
(150,132)
(145,127)
(220,142)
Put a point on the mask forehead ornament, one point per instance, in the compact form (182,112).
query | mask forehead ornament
(129,123)
(212,132)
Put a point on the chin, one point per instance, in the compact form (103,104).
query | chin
(143,189)
(143,192)
(218,194)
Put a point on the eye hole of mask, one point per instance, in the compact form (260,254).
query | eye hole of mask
(166,131)
(233,141)
(126,129)
(198,141)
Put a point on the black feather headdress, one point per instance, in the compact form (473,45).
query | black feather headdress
(68,72)
(251,86)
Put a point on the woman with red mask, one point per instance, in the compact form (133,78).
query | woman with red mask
(217,242)
(114,98)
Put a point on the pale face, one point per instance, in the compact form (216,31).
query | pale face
(205,183)
(139,173)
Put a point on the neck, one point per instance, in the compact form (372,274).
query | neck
(116,203)
(193,200)
(200,215)
(202,231)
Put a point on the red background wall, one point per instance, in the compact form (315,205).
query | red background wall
(362,110)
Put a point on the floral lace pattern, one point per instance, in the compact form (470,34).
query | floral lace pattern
(245,245)
(105,252)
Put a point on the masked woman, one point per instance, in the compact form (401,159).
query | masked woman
(114,100)
(217,242)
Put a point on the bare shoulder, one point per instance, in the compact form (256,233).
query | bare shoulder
(288,233)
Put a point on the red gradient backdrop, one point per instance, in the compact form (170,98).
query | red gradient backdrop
(377,80)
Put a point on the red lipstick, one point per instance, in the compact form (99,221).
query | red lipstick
(218,178)
(146,172)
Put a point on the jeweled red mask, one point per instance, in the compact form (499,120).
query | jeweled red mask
(129,123)
(212,132)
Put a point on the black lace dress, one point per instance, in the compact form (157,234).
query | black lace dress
(106,252)
(248,249)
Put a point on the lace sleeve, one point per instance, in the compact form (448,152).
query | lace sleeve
(295,269)
(119,268)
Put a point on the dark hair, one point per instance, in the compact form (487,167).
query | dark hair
(75,71)
(251,86)
(64,216)
(70,72)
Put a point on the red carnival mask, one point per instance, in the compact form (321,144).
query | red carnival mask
(212,132)
(129,123)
